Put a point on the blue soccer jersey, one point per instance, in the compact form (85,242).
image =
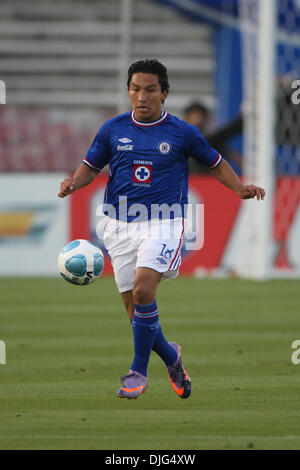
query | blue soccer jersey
(148,161)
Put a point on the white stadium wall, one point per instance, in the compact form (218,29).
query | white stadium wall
(33,223)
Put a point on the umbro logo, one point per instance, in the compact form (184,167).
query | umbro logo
(162,260)
(124,140)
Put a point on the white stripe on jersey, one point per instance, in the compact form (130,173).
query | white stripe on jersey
(216,162)
(91,165)
(148,124)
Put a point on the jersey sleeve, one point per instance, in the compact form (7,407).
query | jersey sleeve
(198,147)
(98,155)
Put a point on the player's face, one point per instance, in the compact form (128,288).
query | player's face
(146,96)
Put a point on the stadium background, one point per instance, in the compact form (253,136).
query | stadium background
(65,74)
(64,64)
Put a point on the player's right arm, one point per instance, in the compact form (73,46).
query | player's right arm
(97,157)
(83,176)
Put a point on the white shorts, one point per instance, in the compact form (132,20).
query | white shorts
(154,244)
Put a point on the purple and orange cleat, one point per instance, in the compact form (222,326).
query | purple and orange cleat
(179,379)
(134,384)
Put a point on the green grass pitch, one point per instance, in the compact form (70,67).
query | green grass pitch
(67,346)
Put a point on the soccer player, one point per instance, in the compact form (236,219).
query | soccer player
(147,150)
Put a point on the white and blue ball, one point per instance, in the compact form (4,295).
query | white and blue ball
(81,262)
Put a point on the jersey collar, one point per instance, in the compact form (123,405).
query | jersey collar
(148,124)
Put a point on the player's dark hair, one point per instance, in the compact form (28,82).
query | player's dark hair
(152,66)
(196,106)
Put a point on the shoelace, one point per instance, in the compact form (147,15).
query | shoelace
(128,376)
(177,368)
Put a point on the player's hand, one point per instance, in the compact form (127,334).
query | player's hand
(251,191)
(66,187)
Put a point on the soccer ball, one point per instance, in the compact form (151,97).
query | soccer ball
(81,262)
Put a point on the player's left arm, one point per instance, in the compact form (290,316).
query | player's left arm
(227,176)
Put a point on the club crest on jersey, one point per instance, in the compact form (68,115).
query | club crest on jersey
(164,147)
(142,173)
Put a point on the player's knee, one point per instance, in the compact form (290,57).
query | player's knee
(142,295)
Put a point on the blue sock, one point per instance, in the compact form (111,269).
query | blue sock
(163,349)
(145,326)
